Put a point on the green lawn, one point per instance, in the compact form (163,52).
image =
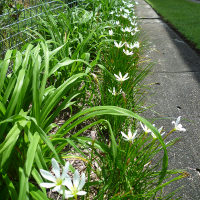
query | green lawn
(183,15)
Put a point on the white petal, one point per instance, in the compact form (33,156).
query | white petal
(47,185)
(160,129)
(120,74)
(178,120)
(55,168)
(82,182)
(124,135)
(81,193)
(180,128)
(47,175)
(68,194)
(65,170)
(129,133)
(76,178)
(153,135)
(125,75)
(57,189)
(67,182)
(142,126)
(117,77)
(135,133)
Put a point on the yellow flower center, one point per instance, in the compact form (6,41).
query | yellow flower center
(74,191)
(58,181)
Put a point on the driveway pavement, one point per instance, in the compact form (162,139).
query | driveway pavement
(176,92)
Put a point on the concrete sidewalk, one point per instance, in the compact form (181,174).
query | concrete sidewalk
(176,93)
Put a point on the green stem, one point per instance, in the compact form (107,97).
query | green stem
(169,133)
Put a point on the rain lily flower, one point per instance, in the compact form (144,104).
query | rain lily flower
(58,181)
(127,11)
(110,32)
(178,126)
(127,52)
(159,130)
(121,78)
(128,29)
(133,23)
(75,188)
(123,30)
(130,137)
(133,33)
(145,128)
(113,92)
(125,16)
(136,29)
(135,45)
(130,46)
(119,45)
(130,5)
(117,22)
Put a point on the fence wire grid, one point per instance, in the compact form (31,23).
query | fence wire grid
(17,16)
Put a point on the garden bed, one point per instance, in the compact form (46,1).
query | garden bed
(73,99)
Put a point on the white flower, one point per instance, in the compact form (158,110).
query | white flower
(75,188)
(134,17)
(113,92)
(123,30)
(134,23)
(127,52)
(110,32)
(160,131)
(125,16)
(130,136)
(127,11)
(136,29)
(135,45)
(178,126)
(145,128)
(130,5)
(120,78)
(57,180)
(133,33)
(128,29)
(112,12)
(119,45)
(117,22)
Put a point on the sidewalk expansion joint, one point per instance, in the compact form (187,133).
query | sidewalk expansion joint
(149,18)
(181,72)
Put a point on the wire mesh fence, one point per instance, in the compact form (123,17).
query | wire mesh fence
(17,16)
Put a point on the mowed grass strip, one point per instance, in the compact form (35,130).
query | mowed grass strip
(184,15)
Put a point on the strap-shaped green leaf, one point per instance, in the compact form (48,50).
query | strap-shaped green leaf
(4,68)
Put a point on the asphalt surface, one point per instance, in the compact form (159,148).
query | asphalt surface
(175,91)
